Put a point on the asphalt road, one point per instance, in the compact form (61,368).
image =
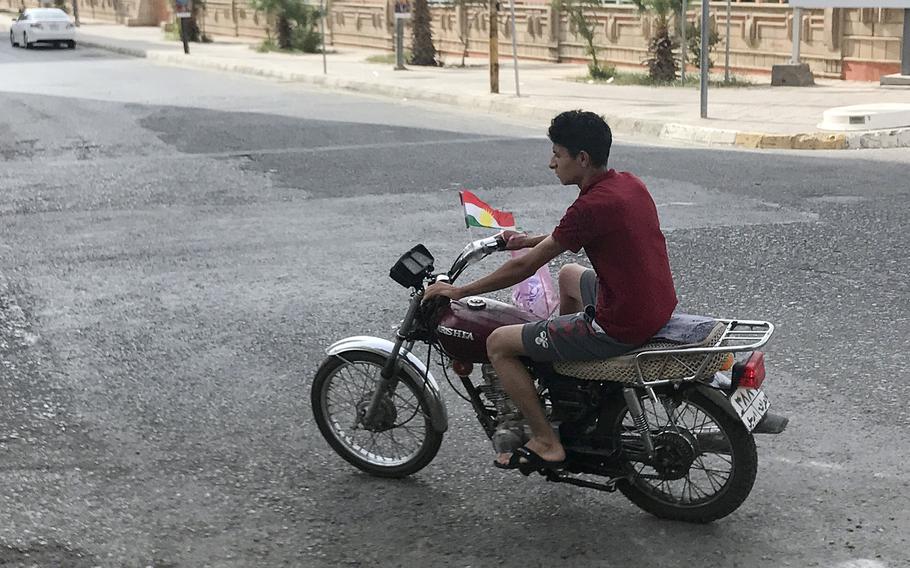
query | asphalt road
(177,248)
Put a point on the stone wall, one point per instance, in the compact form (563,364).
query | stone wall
(871,42)
(127,12)
(857,44)
(235,18)
(840,43)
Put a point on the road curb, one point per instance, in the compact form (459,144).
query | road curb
(675,132)
(813,141)
(132,52)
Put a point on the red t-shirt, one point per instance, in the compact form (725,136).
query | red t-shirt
(614,219)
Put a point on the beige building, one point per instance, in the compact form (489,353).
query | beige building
(857,44)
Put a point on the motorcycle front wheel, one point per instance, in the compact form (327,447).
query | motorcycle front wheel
(399,441)
(705,460)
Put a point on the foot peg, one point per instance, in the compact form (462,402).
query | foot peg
(609,486)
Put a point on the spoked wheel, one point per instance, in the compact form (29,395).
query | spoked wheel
(704,465)
(398,442)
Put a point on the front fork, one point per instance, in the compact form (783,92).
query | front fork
(389,375)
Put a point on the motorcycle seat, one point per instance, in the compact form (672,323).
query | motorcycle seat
(700,332)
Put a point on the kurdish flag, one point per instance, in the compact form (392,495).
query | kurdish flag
(479,214)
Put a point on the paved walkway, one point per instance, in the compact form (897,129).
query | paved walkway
(757,117)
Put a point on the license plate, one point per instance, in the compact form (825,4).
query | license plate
(751,405)
(54,26)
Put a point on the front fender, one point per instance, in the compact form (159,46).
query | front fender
(410,364)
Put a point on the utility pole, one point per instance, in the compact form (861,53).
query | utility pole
(685,45)
(494,46)
(905,49)
(703,67)
(184,12)
(322,33)
(727,48)
(514,48)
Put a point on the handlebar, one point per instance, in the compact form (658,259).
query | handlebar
(475,251)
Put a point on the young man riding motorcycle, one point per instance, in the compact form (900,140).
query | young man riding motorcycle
(604,312)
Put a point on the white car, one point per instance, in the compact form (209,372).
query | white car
(43,25)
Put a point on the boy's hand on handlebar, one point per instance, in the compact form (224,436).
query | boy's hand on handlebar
(515,240)
(443,289)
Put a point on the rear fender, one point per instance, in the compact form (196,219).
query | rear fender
(718,397)
(410,365)
(769,424)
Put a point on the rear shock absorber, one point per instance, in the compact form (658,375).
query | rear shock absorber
(638,418)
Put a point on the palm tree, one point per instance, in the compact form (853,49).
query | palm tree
(662,66)
(293,20)
(587,30)
(423,52)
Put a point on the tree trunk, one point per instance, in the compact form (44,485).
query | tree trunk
(423,52)
(283,27)
(662,65)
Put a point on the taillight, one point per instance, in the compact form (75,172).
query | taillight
(70,26)
(750,373)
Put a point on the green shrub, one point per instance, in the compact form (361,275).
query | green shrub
(306,40)
(693,38)
(586,27)
(601,72)
(295,24)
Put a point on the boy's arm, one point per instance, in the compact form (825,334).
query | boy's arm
(516,241)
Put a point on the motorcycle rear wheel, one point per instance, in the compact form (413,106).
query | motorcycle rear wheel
(340,395)
(719,450)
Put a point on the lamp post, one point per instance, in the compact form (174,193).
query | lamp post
(905,51)
(685,44)
(703,67)
(727,48)
(494,46)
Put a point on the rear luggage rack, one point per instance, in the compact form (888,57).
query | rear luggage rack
(739,336)
(660,362)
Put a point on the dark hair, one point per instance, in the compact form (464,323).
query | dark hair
(578,130)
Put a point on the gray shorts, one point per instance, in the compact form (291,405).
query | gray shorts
(572,337)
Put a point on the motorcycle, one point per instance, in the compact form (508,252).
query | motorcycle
(670,425)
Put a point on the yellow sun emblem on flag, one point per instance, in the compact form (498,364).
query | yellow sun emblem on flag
(487,219)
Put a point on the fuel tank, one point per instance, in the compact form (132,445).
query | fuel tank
(465,325)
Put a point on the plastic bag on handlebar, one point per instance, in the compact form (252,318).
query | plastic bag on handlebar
(537,294)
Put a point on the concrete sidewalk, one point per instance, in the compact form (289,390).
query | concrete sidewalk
(753,117)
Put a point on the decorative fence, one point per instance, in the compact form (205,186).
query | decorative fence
(128,12)
(842,43)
